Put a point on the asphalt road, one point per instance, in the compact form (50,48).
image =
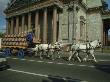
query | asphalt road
(32,69)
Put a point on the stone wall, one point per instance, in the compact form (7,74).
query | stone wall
(94,3)
(81,12)
(69,23)
(94,25)
(92,28)
(63,24)
(85,1)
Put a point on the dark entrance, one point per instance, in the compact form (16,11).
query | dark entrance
(106,32)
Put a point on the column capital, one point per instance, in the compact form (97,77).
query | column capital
(37,11)
(45,8)
(29,13)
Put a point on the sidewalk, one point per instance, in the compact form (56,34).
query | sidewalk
(100,53)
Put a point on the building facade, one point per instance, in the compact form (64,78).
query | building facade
(55,20)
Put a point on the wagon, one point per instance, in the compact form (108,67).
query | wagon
(17,44)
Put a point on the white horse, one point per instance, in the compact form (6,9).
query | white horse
(43,49)
(62,47)
(34,49)
(87,48)
(52,50)
(39,49)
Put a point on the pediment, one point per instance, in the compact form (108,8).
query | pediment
(20,3)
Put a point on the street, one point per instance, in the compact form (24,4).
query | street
(31,69)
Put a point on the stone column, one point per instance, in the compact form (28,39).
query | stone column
(45,26)
(29,22)
(7,26)
(17,25)
(11,28)
(104,38)
(54,24)
(22,27)
(37,26)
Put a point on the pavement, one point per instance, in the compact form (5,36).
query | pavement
(31,69)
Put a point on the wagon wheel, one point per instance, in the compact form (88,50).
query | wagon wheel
(20,53)
(7,52)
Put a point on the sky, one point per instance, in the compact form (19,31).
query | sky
(108,1)
(3,4)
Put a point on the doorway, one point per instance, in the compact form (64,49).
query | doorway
(106,32)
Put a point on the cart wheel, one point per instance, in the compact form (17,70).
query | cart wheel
(21,53)
(7,52)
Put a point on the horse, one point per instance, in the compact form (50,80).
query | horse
(42,50)
(34,49)
(51,51)
(88,48)
(61,47)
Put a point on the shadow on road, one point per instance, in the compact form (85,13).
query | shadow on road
(5,67)
(61,79)
(103,67)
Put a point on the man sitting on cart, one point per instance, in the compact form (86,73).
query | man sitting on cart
(29,39)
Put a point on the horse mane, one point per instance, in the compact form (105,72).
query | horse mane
(94,43)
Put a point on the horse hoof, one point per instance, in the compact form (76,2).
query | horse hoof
(80,61)
(53,59)
(85,59)
(41,58)
(59,57)
(95,61)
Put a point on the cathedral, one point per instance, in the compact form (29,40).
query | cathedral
(50,21)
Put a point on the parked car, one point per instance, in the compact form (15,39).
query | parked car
(3,62)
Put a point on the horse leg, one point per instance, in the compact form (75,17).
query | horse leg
(52,55)
(71,55)
(36,53)
(77,55)
(52,52)
(59,54)
(48,53)
(85,59)
(41,52)
(93,56)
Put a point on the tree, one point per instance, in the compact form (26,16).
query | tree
(2,35)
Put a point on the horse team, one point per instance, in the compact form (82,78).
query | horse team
(55,50)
